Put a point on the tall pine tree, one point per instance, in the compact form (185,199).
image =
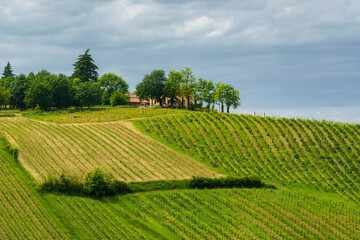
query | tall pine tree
(85,68)
(7,73)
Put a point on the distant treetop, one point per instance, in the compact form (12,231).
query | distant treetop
(7,71)
(85,68)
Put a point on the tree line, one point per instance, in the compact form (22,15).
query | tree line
(182,85)
(45,90)
(83,88)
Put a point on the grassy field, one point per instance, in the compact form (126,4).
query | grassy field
(315,166)
(284,151)
(116,147)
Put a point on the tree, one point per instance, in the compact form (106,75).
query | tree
(219,94)
(111,83)
(40,91)
(152,86)
(97,183)
(188,85)
(85,68)
(118,98)
(141,91)
(4,97)
(172,87)
(86,94)
(8,73)
(199,91)
(232,98)
(208,93)
(18,88)
(61,91)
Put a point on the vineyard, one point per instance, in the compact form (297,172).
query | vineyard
(284,151)
(48,149)
(314,165)
(21,215)
(210,214)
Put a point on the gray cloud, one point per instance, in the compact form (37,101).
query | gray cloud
(278,53)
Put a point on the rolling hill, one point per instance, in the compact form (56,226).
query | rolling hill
(287,152)
(314,165)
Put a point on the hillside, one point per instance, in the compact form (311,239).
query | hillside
(21,214)
(48,149)
(286,152)
(315,166)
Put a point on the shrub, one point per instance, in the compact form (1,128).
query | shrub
(63,184)
(226,182)
(119,187)
(118,98)
(97,183)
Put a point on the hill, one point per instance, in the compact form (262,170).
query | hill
(287,152)
(21,214)
(48,149)
(315,166)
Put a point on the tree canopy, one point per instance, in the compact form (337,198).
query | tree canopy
(152,86)
(111,83)
(87,94)
(188,84)
(18,88)
(173,87)
(85,68)
(84,88)
(40,91)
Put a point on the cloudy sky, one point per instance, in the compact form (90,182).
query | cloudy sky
(296,58)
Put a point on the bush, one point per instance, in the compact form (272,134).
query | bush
(97,183)
(118,98)
(119,187)
(63,184)
(226,182)
(158,185)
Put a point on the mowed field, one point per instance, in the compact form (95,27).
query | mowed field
(315,166)
(286,152)
(48,149)
(106,114)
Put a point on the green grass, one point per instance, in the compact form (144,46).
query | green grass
(287,152)
(98,114)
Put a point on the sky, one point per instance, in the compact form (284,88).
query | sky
(286,57)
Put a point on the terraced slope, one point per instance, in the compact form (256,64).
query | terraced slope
(52,149)
(21,214)
(211,214)
(284,151)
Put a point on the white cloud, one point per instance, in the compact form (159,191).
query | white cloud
(198,24)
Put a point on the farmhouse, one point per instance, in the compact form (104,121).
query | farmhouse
(135,101)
